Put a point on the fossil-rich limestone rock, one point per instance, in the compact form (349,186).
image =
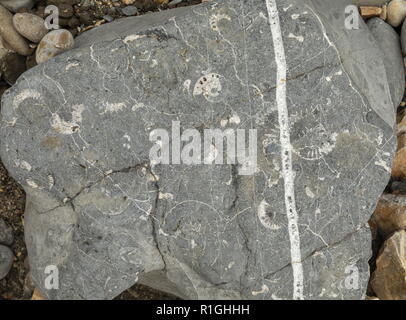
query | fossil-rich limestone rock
(75,133)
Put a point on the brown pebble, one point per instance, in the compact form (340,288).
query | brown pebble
(73,22)
(54,43)
(30,26)
(10,34)
(65,10)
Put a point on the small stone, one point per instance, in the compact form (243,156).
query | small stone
(128,2)
(29,286)
(58,2)
(108,18)
(15,5)
(389,279)
(65,10)
(129,10)
(390,214)
(12,66)
(54,43)
(10,34)
(73,22)
(6,233)
(399,163)
(86,18)
(40,12)
(396,12)
(37,295)
(6,261)
(30,26)
(64,22)
(30,62)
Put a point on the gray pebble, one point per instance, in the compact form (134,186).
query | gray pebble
(6,233)
(108,18)
(14,5)
(129,10)
(6,261)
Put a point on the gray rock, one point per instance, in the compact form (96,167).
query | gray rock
(6,233)
(388,40)
(403,38)
(75,134)
(129,10)
(14,5)
(6,261)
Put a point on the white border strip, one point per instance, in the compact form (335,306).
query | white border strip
(286,149)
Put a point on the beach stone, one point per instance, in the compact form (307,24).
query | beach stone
(129,10)
(30,26)
(389,279)
(396,12)
(12,66)
(65,10)
(388,40)
(10,34)
(75,133)
(6,233)
(54,43)
(6,261)
(15,5)
(390,214)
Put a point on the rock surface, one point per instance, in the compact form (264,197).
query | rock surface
(6,261)
(389,279)
(30,26)
(6,233)
(107,216)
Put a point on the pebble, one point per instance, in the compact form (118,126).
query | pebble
(129,10)
(6,261)
(30,26)
(6,233)
(30,62)
(12,65)
(108,18)
(73,22)
(15,5)
(389,281)
(10,34)
(65,10)
(58,2)
(388,41)
(396,12)
(54,43)
(390,214)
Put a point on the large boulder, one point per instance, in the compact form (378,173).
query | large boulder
(75,133)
